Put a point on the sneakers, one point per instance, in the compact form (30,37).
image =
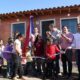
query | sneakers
(14,78)
(23,78)
(59,74)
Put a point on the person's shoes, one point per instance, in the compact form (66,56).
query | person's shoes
(59,74)
(23,78)
(14,78)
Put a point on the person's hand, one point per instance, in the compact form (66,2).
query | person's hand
(63,35)
(34,49)
(48,32)
(49,56)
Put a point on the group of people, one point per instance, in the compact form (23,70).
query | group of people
(43,54)
(57,45)
(10,57)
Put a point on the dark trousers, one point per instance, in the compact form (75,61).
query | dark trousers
(78,59)
(57,64)
(28,68)
(67,62)
(9,67)
(37,65)
(50,68)
(17,67)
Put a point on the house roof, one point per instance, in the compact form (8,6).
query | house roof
(46,11)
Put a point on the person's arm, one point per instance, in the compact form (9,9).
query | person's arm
(67,38)
(57,49)
(51,35)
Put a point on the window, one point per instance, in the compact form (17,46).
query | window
(71,23)
(20,27)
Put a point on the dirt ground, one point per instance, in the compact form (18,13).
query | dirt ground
(74,76)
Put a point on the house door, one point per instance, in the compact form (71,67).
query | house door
(45,27)
(71,23)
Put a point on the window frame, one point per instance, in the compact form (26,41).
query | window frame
(45,20)
(18,23)
(68,19)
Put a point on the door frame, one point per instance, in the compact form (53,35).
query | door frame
(45,20)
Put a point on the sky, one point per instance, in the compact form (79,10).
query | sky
(8,6)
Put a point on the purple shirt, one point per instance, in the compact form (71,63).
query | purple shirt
(65,43)
(7,55)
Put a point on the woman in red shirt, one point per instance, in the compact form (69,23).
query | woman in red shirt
(51,50)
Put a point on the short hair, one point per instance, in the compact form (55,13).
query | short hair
(64,26)
(19,35)
(49,39)
(10,40)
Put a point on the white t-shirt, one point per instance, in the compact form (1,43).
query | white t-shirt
(17,43)
(76,41)
(1,49)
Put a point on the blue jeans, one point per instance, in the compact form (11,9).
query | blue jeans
(17,69)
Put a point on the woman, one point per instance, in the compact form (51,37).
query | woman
(38,52)
(8,56)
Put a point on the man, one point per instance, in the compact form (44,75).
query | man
(66,41)
(55,33)
(76,46)
(17,58)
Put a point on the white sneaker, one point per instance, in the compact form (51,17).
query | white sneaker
(59,74)
(15,78)
(24,78)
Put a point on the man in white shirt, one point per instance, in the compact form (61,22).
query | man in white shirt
(76,46)
(17,58)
